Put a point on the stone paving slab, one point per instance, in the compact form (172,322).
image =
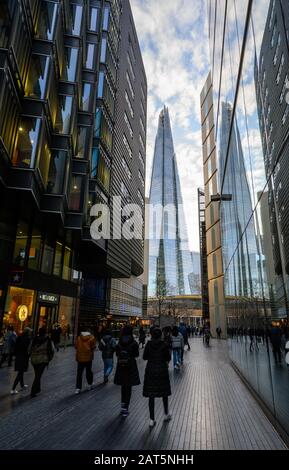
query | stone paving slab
(212,410)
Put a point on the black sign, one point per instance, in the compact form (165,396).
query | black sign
(16,278)
(46,298)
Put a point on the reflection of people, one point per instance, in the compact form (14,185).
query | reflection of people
(8,346)
(56,335)
(219,332)
(142,337)
(275,337)
(157,380)
(21,358)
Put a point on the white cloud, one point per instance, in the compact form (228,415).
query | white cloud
(172,34)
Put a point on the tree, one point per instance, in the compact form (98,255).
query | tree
(163,291)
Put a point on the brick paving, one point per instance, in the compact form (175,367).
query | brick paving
(211,408)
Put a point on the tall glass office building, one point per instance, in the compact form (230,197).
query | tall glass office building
(249,53)
(170,261)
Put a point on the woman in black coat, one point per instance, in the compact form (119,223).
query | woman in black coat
(157,380)
(21,359)
(126,374)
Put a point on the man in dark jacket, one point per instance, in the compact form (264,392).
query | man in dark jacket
(21,358)
(107,346)
(126,374)
(157,381)
(41,350)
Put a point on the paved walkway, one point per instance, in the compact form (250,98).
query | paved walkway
(211,407)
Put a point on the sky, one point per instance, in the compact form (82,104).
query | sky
(174,44)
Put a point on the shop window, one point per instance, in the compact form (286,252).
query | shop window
(37,77)
(56,174)
(26,142)
(66,318)
(57,259)
(35,250)
(47,20)
(63,118)
(47,258)
(21,244)
(66,274)
(75,193)
(18,308)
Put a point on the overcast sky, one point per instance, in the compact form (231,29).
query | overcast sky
(173,39)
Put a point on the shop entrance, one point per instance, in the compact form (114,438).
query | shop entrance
(46,316)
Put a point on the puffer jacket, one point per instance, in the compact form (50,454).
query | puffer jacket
(178,341)
(107,346)
(85,346)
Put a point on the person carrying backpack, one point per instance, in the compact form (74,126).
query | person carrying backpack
(107,346)
(126,374)
(41,353)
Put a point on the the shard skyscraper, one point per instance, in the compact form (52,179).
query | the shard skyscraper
(170,261)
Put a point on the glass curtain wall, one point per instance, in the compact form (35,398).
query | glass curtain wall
(251,102)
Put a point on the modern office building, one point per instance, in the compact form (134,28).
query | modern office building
(170,262)
(66,109)
(249,60)
(211,248)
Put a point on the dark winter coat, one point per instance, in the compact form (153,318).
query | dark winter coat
(21,353)
(107,346)
(157,381)
(41,350)
(127,374)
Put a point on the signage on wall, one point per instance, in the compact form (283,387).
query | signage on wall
(46,298)
(16,278)
(22,312)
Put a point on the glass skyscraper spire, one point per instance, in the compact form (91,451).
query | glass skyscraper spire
(170,261)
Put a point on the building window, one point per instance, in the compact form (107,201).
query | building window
(37,77)
(47,20)
(105,24)
(26,142)
(82,137)
(76,17)
(86,95)
(71,63)
(93,19)
(103,172)
(75,193)
(90,56)
(129,105)
(126,168)
(100,85)
(128,125)
(130,85)
(56,174)
(130,67)
(21,244)
(127,146)
(103,50)
(63,118)
(142,125)
(142,142)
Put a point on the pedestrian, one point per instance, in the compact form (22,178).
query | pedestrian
(189,331)
(21,359)
(56,335)
(177,346)
(183,331)
(85,347)
(41,353)
(107,346)
(142,337)
(126,374)
(219,332)
(8,349)
(167,335)
(157,380)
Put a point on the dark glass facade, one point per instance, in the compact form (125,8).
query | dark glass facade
(249,58)
(60,91)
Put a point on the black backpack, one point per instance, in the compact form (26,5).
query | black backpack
(124,358)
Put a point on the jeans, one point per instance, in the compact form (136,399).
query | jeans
(177,356)
(38,371)
(126,395)
(152,406)
(19,378)
(108,366)
(89,375)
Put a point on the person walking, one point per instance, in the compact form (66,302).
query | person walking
(21,359)
(107,346)
(183,331)
(156,379)
(56,335)
(142,337)
(41,353)
(177,346)
(126,375)
(275,338)
(85,347)
(8,349)
(219,332)
(167,336)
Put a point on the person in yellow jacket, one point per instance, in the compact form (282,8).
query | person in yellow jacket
(85,347)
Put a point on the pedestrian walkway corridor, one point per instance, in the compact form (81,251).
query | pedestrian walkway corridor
(211,408)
